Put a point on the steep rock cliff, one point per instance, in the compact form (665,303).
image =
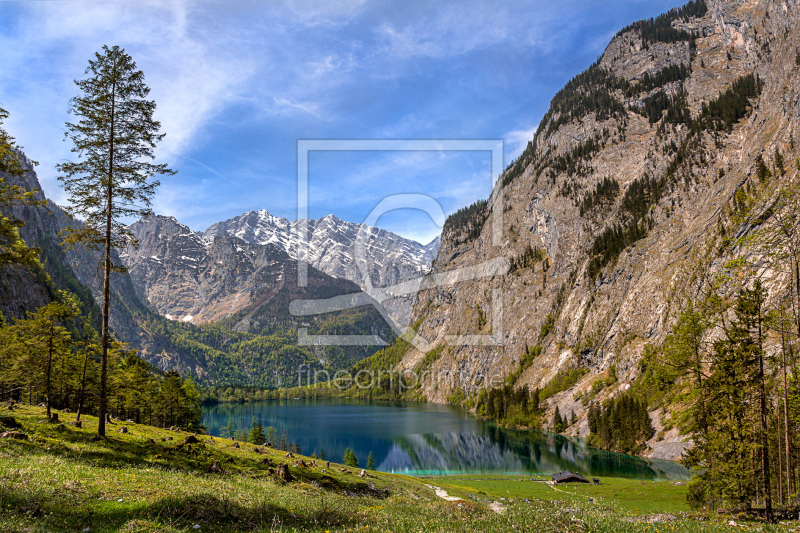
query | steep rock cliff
(592,303)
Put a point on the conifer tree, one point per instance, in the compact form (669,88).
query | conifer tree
(256,435)
(12,248)
(228,431)
(350,458)
(370,461)
(44,345)
(89,347)
(112,179)
(558,422)
(272,435)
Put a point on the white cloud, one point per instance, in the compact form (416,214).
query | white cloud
(514,142)
(192,79)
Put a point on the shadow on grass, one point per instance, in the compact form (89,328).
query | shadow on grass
(114,452)
(52,511)
(209,509)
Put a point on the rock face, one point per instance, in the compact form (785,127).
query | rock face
(333,247)
(185,278)
(193,279)
(601,125)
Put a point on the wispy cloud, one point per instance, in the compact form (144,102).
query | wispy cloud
(238,82)
(514,142)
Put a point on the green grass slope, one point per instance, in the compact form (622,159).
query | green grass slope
(62,479)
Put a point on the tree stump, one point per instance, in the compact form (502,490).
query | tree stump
(13,435)
(283,472)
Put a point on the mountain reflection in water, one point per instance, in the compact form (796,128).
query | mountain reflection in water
(420,438)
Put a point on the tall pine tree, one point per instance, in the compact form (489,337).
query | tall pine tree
(112,179)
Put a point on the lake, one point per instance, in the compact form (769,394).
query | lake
(417,438)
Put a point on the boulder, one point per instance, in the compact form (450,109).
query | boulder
(190,439)
(363,473)
(235,445)
(123,429)
(67,410)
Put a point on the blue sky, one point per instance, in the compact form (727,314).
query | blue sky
(237,83)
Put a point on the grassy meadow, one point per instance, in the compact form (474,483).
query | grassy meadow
(63,479)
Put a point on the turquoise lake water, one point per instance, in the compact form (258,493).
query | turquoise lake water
(416,438)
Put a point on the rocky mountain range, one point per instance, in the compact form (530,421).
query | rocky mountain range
(625,187)
(211,275)
(332,246)
(238,292)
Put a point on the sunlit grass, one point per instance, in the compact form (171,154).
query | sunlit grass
(61,480)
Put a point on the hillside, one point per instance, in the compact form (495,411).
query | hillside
(60,478)
(626,186)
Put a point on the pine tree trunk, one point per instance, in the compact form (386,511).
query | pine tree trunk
(797,297)
(779,470)
(83,383)
(49,370)
(787,436)
(764,440)
(101,427)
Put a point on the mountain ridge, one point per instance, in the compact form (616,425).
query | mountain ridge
(332,248)
(648,115)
